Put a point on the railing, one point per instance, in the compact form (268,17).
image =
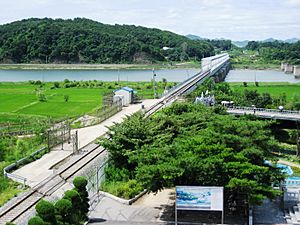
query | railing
(263,110)
(15,165)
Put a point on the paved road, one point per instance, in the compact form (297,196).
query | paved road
(150,209)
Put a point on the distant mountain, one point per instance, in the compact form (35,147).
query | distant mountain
(244,43)
(292,40)
(240,44)
(269,40)
(194,37)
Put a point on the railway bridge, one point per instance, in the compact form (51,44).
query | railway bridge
(216,66)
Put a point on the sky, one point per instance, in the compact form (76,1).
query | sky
(230,19)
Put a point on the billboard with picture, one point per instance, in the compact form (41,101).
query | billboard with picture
(199,198)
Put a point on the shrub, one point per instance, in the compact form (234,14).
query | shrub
(66,98)
(56,84)
(64,210)
(46,211)
(9,223)
(122,189)
(80,183)
(41,96)
(245,84)
(256,84)
(36,221)
(80,186)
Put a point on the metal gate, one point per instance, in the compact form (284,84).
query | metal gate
(59,134)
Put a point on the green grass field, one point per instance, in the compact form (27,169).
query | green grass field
(275,89)
(20,101)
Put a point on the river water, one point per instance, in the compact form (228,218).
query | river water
(176,75)
(260,76)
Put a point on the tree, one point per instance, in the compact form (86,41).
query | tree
(36,221)
(74,197)
(46,211)
(63,208)
(66,98)
(188,144)
(80,184)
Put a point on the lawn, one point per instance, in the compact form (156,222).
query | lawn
(275,89)
(19,101)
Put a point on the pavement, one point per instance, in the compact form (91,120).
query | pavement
(149,209)
(37,171)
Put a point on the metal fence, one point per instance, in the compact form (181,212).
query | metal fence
(263,110)
(95,176)
(7,170)
(58,134)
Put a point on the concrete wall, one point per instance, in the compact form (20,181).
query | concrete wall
(297,71)
(288,68)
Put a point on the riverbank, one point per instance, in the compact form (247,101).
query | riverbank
(99,66)
(256,66)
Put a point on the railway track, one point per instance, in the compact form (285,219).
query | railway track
(48,186)
(173,95)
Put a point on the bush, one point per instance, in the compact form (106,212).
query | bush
(122,189)
(80,183)
(245,84)
(9,223)
(80,186)
(66,98)
(36,221)
(41,96)
(56,84)
(46,211)
(64,210)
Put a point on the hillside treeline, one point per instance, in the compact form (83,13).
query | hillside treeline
(86,41)
(277,50)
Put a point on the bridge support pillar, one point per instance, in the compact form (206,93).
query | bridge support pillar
(297,71)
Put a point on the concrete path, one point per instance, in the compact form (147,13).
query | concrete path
(42,168)
(147,210)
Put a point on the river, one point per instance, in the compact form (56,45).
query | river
(176,75)
(260,76)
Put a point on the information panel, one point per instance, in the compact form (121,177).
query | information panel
(199,198)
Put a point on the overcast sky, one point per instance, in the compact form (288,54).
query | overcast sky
(233,19)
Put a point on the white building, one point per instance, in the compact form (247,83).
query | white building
(126,94)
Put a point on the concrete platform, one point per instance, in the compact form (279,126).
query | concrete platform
(40,169)
(148,209)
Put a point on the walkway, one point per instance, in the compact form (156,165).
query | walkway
(266,113)
(42,168)
(147,210)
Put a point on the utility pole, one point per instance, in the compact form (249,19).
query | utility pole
(154,84)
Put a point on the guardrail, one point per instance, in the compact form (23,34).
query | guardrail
(263,110)
(15,165)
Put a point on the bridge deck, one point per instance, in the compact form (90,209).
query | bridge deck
(266,113)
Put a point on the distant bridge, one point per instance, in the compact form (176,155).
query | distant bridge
(216,66)
(266,113)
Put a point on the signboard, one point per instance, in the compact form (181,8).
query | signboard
(199,198)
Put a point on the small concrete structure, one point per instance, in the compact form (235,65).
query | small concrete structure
(297,71)
(126,94)
(288,68)
(282,66)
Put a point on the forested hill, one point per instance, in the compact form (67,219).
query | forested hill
(86,41)
(276,50)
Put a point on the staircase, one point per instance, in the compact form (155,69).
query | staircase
(292,214)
